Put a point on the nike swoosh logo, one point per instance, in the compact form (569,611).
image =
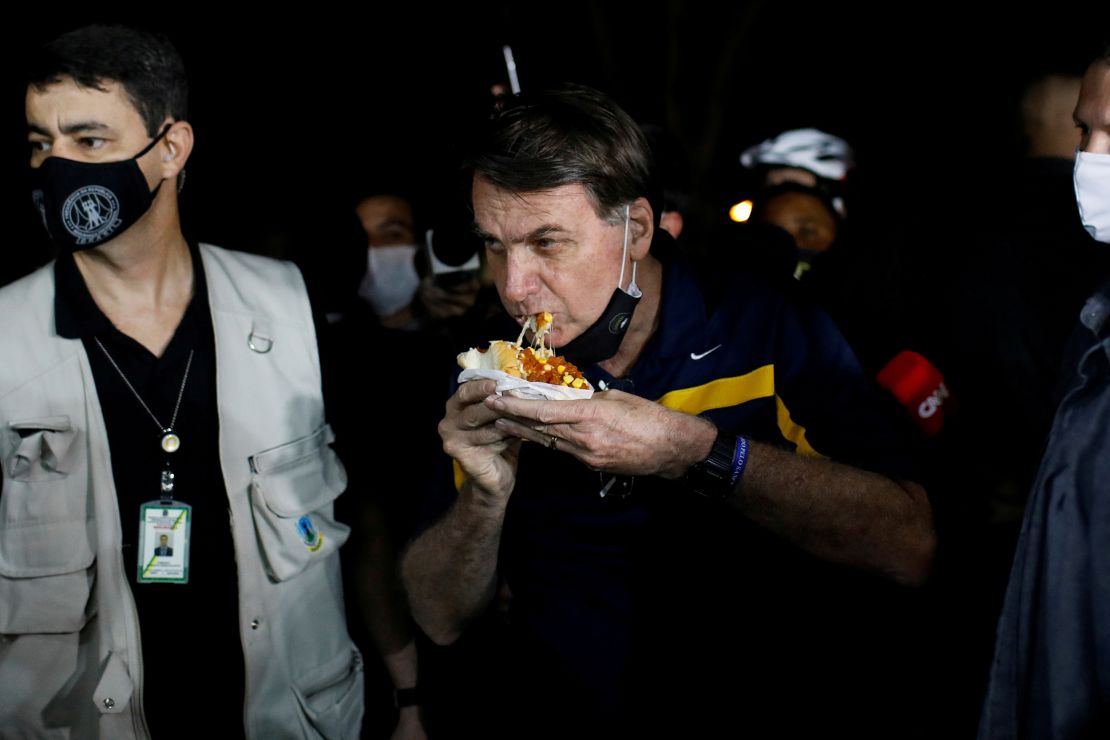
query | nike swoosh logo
(703,354)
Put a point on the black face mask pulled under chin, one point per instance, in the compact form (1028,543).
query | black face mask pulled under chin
(602,340)
(84,204)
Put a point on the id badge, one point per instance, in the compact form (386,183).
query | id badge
(164,528)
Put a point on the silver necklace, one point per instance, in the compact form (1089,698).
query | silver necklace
(170,440)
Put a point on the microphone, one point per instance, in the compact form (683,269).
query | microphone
(919,387)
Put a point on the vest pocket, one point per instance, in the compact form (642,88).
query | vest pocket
(331,696)
(293,487)
(37,449)
(46,546)
(46,571)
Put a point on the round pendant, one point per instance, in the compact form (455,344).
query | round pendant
(170,442)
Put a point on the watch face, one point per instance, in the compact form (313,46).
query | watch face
(713,476)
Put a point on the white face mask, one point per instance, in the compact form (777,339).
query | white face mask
(1092,191)
(390,281)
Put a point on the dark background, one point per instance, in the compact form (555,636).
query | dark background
(294,112)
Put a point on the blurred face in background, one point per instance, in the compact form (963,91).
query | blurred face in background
(804,216)
(387,220)
(1092,163)
(391,279)
(1092,112)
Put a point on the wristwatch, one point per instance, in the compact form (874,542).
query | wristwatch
(713,477)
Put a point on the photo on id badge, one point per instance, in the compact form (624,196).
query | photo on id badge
(164,543)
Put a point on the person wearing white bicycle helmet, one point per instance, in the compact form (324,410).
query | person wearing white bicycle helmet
(807,156)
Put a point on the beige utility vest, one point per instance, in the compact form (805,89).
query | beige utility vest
(70,655)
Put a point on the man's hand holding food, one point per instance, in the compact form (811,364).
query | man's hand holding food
(613,431)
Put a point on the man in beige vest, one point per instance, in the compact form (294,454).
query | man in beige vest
(156,391)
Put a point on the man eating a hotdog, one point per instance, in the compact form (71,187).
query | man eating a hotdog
(683,547)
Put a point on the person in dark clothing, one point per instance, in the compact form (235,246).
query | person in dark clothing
(1052,653)
(590,510)
(1013,303)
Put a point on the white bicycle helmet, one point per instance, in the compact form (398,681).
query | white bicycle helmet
(810,149)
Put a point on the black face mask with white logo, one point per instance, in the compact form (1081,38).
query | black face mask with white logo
(603,338)
(84,204)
